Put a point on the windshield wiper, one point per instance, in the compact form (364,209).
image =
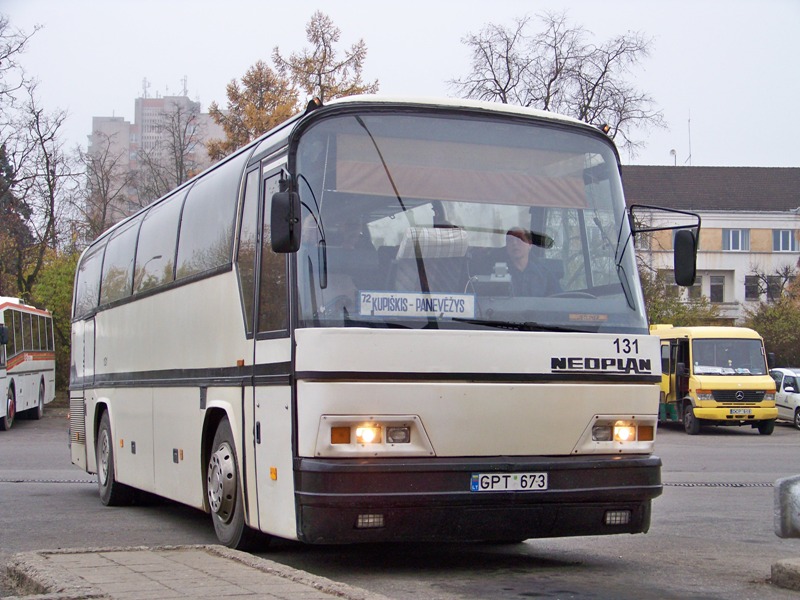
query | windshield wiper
(517,326)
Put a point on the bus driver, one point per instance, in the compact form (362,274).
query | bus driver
(529,276)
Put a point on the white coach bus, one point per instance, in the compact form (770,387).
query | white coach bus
(382,320)
(27,361)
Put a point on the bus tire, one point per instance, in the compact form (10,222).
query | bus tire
(224,493)
(7,421)
(36,412)
(691,424)
(112,492)
(767,427)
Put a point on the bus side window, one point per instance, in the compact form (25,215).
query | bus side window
(87,292)
(205,241)
(272,305)
(158,238)
(117,280)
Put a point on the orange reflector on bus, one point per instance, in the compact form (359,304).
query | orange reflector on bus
(646,433)
(340,435)
(273,473)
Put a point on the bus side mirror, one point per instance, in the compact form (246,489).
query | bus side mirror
(771,360)
(285,222)
(3,335)
(685,256)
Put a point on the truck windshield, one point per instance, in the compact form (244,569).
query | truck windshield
(728,357)
(463,221)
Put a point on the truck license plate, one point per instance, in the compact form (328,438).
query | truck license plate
(740,411)
(508,482)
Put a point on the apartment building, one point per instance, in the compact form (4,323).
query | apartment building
(750,233)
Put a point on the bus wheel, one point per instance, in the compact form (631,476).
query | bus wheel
(11,410)
(225,492)
(690,424)
(767,427)
(112,492)
(36,413)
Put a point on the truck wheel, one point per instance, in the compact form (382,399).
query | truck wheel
(767,427)
(690,424)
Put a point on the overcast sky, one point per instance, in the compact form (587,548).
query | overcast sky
(725,73)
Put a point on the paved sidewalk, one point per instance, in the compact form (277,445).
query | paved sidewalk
(167,572)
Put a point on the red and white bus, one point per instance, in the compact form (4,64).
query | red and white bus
(27,361)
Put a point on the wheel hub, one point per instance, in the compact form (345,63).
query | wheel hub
(222,482)
(102,471)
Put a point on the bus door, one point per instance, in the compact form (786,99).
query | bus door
(680,353)
(272,395)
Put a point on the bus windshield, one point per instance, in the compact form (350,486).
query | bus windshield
(728,357)
(462,221)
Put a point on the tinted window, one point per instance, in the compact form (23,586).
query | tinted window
(247,247)
(48,334)
(87,286)
(273,313)
(206,231)
(18,338)
(37,343)
(155,254)
(27,330)
(118,264)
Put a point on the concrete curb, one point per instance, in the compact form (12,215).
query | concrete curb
(39,579)
(786,573)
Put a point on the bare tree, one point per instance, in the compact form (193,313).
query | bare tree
(44,181)
(318,71)
(12,75)
(776,284)
(173,158)
(561,70)
(108,181)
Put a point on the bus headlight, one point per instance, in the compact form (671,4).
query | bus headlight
(378,435)
(634,434)
(368,434)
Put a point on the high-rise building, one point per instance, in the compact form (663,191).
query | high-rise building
(140,161)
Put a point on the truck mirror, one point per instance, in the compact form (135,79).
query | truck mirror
(285,222)
(685,257)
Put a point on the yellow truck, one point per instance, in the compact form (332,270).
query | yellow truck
(715,376)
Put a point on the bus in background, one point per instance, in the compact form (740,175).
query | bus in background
(715,376)
(27,361)
(384,320)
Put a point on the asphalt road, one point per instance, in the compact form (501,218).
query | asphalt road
(711,536)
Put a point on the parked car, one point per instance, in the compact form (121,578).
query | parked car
(787,394)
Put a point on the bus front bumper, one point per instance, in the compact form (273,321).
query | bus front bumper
(352,500)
